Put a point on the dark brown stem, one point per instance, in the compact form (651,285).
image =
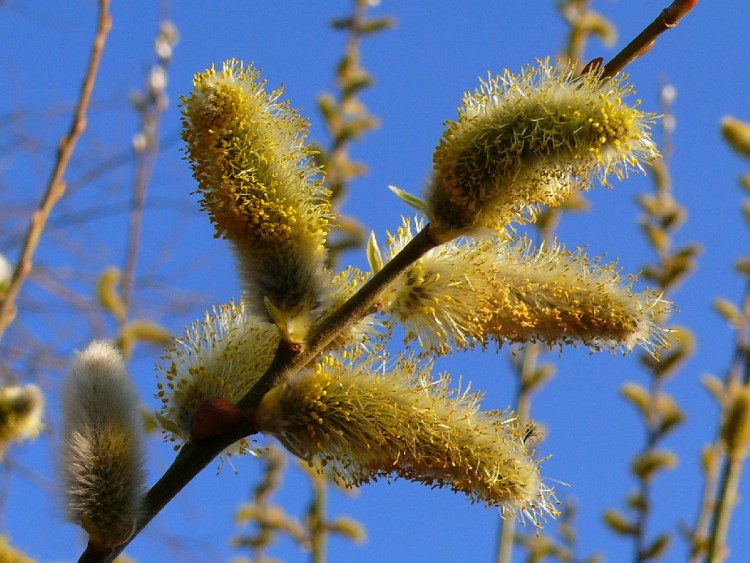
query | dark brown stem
(189,462)
(94,553)
(667,19)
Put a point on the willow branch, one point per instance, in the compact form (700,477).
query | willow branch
(318,525)
(722,471)
(56,185)
(144,171)
(667,19)
(727,497)
(699,534)
(524,392)
(194,457)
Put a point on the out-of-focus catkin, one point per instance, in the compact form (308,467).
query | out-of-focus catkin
(102,457)
(735,430)
(21,409)
(525,140)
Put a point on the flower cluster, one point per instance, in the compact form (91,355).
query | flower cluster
(220,357)
(261,191)
(464,293)
(519,142)
(526,140)
(362,421)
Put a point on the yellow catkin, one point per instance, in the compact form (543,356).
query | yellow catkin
(220,357)
(261,190)
(363,424)
(21,411)
(10,554)
(735,430)
(737,134)
(529,139)
(472,292)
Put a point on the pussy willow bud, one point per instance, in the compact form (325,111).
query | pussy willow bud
(262,192)
(363,424)
(102,452)
(529,139)
(737,134)
(10,554)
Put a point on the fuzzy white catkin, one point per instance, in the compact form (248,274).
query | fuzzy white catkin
(102,455)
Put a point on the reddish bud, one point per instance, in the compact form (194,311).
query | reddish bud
(215,416)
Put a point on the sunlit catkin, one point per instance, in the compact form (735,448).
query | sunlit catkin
(362,423)
(473,292)
(20,414)
(102,454)
(529,139)
(262,192)
(220,357)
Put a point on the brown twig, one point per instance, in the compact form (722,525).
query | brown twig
(143,174)
(56,185)
(667,19)
(351,312)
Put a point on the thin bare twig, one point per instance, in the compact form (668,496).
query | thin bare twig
(56,185)
(667,19)
(143,174)
(151,109)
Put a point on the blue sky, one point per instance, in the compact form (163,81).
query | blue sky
(422,67)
